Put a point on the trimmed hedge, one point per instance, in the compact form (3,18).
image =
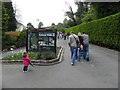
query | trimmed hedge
(104,32)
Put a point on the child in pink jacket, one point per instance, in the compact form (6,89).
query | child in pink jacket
(26,61)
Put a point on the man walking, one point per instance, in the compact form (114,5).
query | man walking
(80,46)
(85,46)
(73,46)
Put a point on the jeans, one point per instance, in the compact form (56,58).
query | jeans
(73,54)
(79,54)
(86,51)
(25,68)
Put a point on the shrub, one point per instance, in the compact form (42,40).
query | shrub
(103,32)
(46,55)
(8,41)
(21,42)
(33,55)
(18,56)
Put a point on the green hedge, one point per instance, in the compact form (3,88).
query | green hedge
(104,32)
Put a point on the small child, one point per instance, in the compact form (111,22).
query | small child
(26,61)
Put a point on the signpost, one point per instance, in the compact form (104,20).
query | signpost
(41,40)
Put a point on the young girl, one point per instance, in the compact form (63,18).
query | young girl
(26,61)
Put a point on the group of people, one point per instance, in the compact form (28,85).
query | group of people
(79,46)
(61,35)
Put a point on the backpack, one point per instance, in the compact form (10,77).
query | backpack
(77,41)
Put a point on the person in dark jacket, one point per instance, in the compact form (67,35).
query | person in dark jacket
(80,46)
(85,46)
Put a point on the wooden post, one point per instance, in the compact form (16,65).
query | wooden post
(55,40)
(27,41)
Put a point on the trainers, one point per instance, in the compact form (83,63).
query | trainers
(25,71)
(87,59)
(84,57)
(72,64)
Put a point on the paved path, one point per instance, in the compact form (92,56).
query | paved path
(100,72)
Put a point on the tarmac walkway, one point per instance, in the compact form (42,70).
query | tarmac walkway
(100,72)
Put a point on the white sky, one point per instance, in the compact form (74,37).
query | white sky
(47,11)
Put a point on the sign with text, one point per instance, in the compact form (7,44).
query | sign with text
(41,40)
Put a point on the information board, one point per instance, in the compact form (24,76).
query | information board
(41,40)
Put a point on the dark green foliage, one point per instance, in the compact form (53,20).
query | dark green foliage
(8,24)
(40,24)
(99,10)
(30,26)
(103,9)
(70,23)
(89,15)
(33,55)
(5,43)
(104,32)
(12,20)
(21,39)
(17,41)
(75,18)
(82,7)
(0,24)
(5,18)
(8,41)
(58,27)
(46,55)
(18,56)
(70,14)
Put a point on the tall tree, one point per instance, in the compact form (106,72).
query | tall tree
(12,22)
(40,24)
(0,23)
(5,19)
(60,27)
(71,14)
(53,24)
(105,9)
(82,7)
(0,14)
(60,24)
(65,23)
(88,16)
(30,26)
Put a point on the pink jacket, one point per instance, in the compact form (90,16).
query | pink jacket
(26,60)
